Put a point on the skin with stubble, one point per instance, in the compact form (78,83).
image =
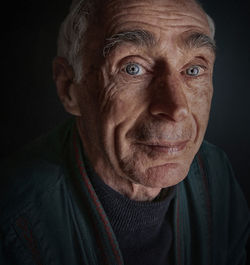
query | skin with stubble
(143,106)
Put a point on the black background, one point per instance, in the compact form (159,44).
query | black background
(30,107)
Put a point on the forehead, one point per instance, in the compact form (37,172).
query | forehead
(158,16)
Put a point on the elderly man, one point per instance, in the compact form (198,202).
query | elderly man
(129,180)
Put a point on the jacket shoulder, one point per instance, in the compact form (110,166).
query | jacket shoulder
(33,171)
(229,210)
(215,164)
(212,153)
(216,167)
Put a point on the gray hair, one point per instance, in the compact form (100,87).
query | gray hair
(71,40)
(71,34)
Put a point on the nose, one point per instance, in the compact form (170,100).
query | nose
(168,99)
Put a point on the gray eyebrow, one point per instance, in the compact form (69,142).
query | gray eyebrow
(138,37)
(198,40)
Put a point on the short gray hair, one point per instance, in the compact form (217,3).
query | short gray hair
(71,39)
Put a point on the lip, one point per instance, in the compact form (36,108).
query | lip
(166,147)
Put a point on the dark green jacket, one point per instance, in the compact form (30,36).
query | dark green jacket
(50,214)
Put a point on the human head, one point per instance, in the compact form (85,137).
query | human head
(143,105)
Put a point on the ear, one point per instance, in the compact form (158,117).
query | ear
(63,76)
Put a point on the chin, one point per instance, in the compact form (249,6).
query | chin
(166,175)
(160,176)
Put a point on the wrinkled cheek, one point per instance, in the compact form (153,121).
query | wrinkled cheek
(119,110)
(113,127)
(200,106)
(203,101)
(206,106)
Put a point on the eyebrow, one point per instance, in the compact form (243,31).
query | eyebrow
(199,40)
(144,38)
(138,37)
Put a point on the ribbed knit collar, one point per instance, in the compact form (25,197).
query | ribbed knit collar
(126,215)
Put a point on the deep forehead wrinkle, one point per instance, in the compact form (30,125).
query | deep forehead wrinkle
(138,37)
(198,40)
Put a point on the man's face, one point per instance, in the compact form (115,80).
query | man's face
(145,106)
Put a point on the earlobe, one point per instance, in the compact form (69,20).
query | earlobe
(63,76)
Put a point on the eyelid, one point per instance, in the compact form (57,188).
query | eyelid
(196,61)
(203,67)
(133,59)
(128,63)
(196,65)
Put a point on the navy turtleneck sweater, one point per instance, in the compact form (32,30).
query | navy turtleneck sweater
(143,229)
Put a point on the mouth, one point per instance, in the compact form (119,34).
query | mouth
(165,147)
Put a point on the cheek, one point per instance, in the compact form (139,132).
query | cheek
(122,102)
(200,94)
(200,107)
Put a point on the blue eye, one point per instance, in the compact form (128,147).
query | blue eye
(133,69)
(193,71)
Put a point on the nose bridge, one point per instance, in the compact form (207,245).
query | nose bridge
(169,98)
(174,89)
